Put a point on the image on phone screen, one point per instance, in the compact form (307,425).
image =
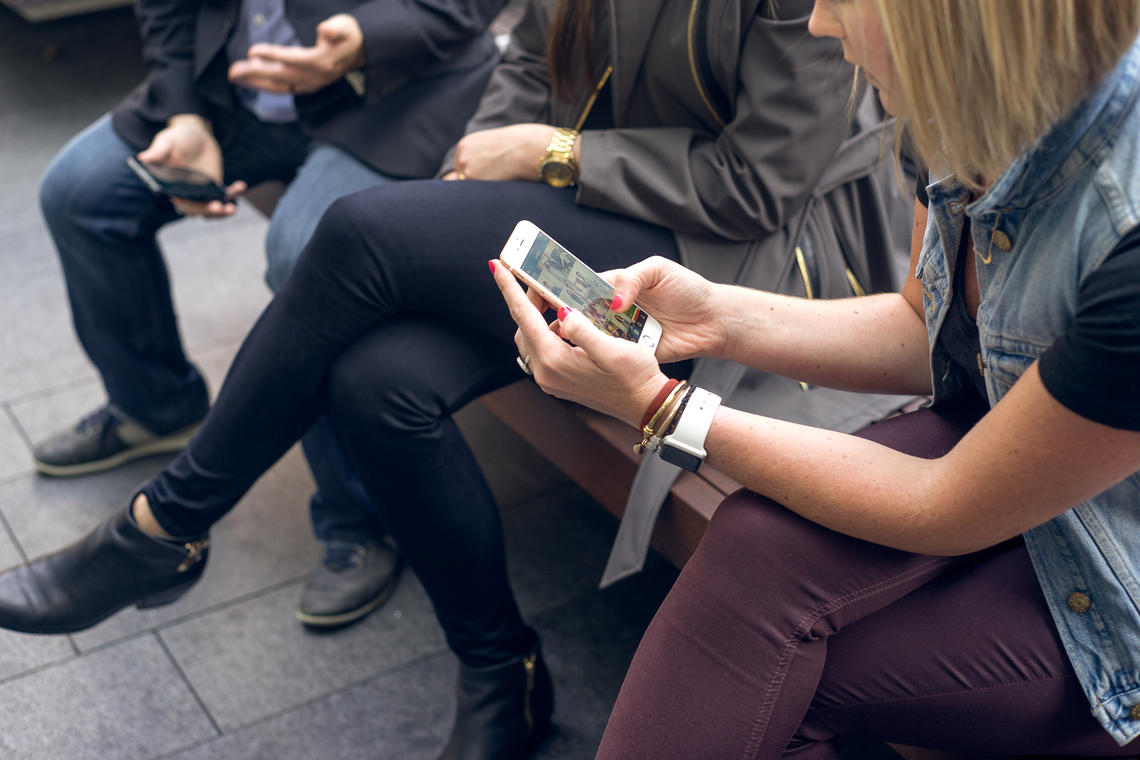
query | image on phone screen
(576,285)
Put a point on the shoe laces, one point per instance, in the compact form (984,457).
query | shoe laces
(342,555)
(100,419)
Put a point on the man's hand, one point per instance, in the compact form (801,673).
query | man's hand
(188,142)
(290,69)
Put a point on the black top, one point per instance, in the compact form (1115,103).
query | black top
(1093,369)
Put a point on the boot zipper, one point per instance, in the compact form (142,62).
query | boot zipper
(693,63)
(194,553)
(528,666)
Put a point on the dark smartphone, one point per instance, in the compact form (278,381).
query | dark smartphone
(177,182)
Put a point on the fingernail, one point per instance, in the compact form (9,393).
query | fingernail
(491,264)
(563,312)
(618,303)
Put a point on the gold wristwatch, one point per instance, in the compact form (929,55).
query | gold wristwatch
(557,167)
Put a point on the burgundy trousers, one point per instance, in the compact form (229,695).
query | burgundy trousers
(781,636)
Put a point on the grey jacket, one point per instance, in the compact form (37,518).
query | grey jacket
(738,140)
(668,161)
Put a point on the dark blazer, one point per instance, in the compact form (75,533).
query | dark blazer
(427,62)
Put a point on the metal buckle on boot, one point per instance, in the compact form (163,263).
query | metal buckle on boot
(195,550)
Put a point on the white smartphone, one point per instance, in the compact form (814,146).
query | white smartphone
(563,280)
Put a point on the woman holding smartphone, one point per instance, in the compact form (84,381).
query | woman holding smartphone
(963,577)
(389,324)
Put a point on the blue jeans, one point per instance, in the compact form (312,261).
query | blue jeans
(104,222)
(340,509)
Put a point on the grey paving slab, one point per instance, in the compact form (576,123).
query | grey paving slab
(21,653)
(9,554)
(557,546)
(13,450)
(217,278)
(46,411)
(25,244)
(397,716)
(591,639)
(38,349)
(80,69)
(121,703)
(253,660)
(46,514)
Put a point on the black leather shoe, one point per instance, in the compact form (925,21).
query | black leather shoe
(351,580)
(102,441)
(112,567)
(503,711)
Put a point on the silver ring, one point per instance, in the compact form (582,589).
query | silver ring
(524,364)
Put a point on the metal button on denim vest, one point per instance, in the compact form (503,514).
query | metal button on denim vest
(1049,220)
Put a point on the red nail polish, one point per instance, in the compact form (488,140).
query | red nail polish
(491,264)
(563,312)
(617,303)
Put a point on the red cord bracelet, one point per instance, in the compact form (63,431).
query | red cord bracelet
(658,400)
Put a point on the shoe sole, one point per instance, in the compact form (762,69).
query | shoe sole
(344,618)
(165,445)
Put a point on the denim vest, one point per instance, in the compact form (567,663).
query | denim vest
(1051,219)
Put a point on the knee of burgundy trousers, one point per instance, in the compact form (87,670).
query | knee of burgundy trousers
(733,656)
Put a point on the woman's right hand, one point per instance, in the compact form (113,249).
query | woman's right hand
(680,299)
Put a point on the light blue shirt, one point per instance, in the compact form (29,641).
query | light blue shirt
(1050,219)
(263,21)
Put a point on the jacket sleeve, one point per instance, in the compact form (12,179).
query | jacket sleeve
(405,38)
(519,89)
(745,181)
(167,28)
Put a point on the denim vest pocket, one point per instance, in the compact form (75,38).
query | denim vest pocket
(1005,361)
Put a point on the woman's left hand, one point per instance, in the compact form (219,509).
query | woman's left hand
(503,153)
(612,375)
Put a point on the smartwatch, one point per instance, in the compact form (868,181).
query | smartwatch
(684,446)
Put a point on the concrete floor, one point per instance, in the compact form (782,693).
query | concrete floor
(227,672)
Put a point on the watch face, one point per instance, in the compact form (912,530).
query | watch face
(557,173)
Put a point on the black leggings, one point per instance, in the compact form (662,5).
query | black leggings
(390,322)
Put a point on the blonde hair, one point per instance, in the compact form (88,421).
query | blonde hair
(978,81)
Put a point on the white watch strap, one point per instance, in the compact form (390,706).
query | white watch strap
(685,446)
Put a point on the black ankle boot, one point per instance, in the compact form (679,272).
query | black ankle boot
(503,711)
(114,566)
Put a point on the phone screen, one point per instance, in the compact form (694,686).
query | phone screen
(578,287)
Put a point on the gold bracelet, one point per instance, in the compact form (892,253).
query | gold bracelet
(661,419)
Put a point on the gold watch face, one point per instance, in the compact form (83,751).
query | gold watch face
(557,173)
